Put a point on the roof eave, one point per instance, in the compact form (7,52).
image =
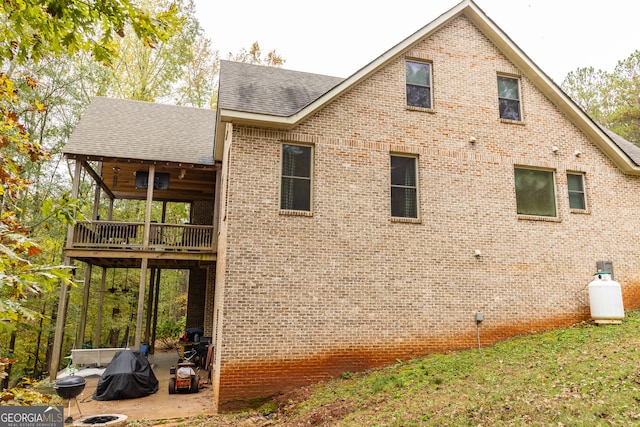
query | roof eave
(258,119)
(249,119)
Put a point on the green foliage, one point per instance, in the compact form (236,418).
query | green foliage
(626,96)
(21,277)
(253,55)
(610,98)
(28,394)
(35,37)
(197,88)
(171,329)
(347,375)
(31,32)
(268,408)
(181,69)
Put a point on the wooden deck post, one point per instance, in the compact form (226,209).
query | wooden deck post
(155,311)
(85,306)
(140,312)
(145,260)
(147,325)
(97,340)
(87,275)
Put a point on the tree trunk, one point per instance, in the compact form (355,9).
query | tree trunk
(12,346)
(36,369)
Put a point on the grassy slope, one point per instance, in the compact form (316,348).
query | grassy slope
(586,375)
(581,376)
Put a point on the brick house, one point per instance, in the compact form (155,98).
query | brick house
(368,219)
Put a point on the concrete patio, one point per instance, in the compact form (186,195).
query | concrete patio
(159,405)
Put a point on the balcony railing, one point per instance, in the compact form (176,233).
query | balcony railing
(130,236)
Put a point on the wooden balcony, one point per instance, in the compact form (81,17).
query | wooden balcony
(123,242)
(130,236)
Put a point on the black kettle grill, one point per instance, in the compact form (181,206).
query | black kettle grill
(69,388)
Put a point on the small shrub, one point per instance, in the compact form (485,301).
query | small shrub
(347,375)
(268,408)
(169,330)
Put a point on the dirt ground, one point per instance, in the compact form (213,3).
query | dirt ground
(160,405)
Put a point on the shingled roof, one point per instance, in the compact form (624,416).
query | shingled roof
(279,92)
(116,128)
(630,149)
(269,90)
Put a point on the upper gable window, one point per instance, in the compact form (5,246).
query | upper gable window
(418,84)
(535,192)
(295,186)
(509,98)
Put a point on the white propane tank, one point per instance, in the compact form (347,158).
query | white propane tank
(605,299)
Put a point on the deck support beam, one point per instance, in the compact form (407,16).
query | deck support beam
(97,340)
(87,273)
(145,260)
(85,306)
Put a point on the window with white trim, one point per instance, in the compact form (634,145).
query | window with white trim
(535,192)
(404,186)
(295,185)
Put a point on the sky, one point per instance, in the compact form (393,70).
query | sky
(339,37)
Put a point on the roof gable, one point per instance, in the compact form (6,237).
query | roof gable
(618,152)
(116,128)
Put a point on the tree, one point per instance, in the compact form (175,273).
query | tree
(584,85)
(625,95)
(611,98)
(197,86)
(179,70)
(253,56)
(31,33)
